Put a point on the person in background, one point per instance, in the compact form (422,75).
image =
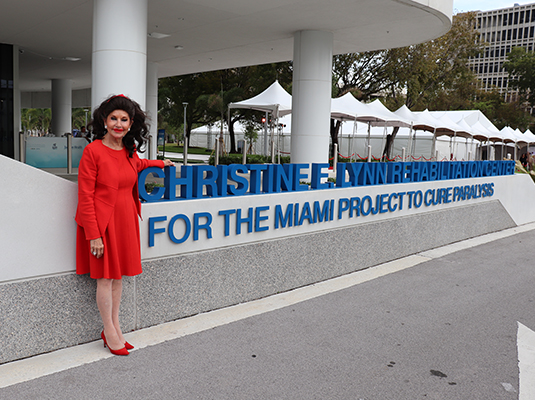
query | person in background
(85,134)
(524,160)
(530,162)
(107,242)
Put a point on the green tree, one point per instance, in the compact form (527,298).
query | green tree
(363,74)
(431,69)
(251,134)
(520,65)
(79,117)
(414,75)
(433,75)
(176,90)
(502,113)
(36,119)
(209,94)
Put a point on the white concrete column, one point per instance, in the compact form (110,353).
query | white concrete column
(119,63)
(61,106)
(152,108)
(311,96)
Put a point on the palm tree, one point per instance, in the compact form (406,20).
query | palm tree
(36,120)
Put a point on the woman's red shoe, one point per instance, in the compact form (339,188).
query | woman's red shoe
(120,352)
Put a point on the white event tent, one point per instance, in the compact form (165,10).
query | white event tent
(348,108)
(445,135)
(274,100)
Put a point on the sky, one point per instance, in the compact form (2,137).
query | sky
(484,5)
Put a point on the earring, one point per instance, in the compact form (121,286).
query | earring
(106,127)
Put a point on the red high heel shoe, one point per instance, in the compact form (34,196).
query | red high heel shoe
(128,346)
(120,352)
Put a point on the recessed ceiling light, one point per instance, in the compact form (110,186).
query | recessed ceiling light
(179,47)
(71,58)
(157,35)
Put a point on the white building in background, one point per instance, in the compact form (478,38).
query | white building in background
(502,30)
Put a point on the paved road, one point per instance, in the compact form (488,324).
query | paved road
(444,329)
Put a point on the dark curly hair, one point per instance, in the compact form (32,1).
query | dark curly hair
(139,132)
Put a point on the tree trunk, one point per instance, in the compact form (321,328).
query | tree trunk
(390,143)
(232,137)
(188,133)
(335,128)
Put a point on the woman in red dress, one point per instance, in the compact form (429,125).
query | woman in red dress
(107,242)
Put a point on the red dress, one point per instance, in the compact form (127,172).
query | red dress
(122,255)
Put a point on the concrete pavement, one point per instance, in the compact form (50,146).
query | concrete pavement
(438,325)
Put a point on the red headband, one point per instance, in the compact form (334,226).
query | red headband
(119,95)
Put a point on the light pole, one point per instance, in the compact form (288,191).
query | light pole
(88,137)
(185,138)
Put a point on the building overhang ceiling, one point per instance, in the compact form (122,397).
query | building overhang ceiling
(55,36)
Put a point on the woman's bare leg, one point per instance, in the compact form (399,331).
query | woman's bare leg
(106,307)
(117,290)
